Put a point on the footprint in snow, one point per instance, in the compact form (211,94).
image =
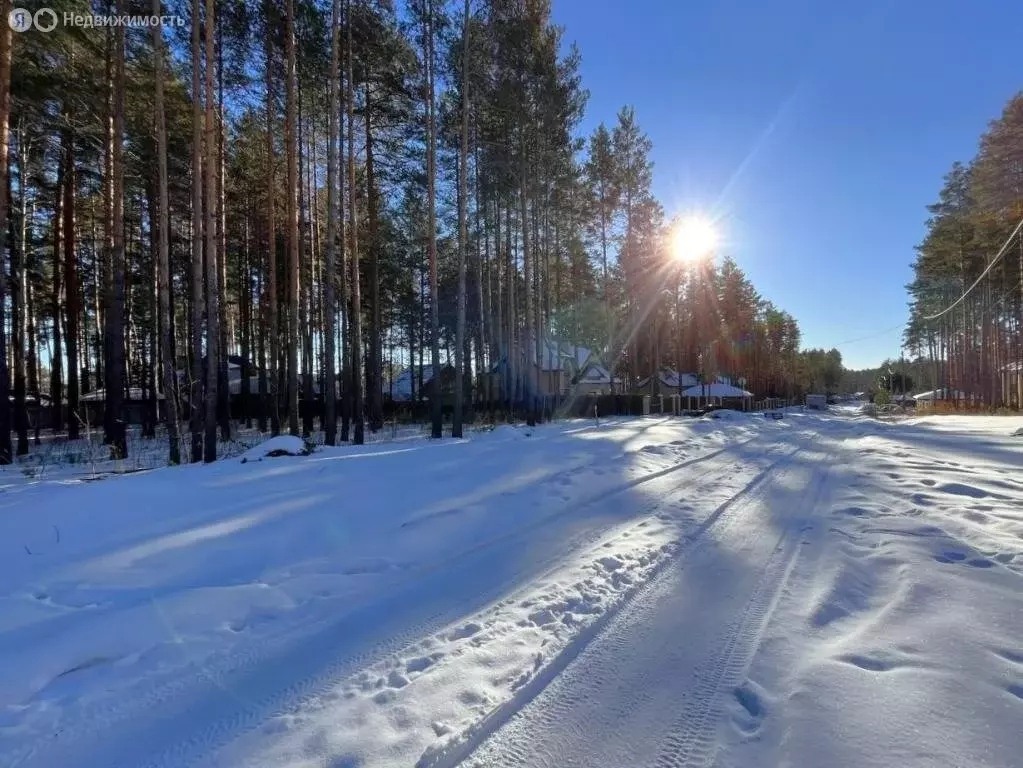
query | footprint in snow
(418,664)
(879,662)
(960,489)
(750,712)
(466,630)
(953,556)
(852,511)
(396,680)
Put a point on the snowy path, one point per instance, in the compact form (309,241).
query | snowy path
(655,592)
(802,629)
(651,689)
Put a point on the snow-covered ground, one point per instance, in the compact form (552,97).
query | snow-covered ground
(824,589)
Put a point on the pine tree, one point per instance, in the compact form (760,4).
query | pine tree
(291,150)
(213,335)
(114,332)
(333,208)
(170,388)
(196,398)
(6,44)
(463,232)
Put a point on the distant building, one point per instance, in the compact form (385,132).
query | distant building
(817,402)
(719,393)
(564,368)
(417,381)
(943,393)
(668,382)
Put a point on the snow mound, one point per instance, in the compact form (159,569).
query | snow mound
(726,414)
(282,445)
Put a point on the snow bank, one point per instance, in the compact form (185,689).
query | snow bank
(727,414)
(282,445)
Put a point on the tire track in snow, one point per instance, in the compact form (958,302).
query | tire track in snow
(683,641)
(557,707)
(238,690)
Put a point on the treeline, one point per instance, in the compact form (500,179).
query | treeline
(975,346)
(301,196)
(911,376)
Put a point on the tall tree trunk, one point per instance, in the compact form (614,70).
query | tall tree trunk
(512,318)
(356,310)
(245,318)
(305,238)
(532,337)
(100,254)
(261,342)
(499,328)
(291,150)
(315,288)
(329,298)
(344,356)
(225,334)
(108,230)
(609,352)
(431,197)
(18,285)
(374,391)
(196,389)
(463,233)
(213,351)
(115,301)
(57,358)
(72,296)
(6,43)
(151,364)
(33,355)
(170,388)
(273,322)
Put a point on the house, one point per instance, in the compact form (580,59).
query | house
(668,382)
(135,406)
(593,379)
(942,393)
(722,392)
(561,368)
(417,380)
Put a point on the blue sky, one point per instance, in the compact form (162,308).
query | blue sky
(817,131)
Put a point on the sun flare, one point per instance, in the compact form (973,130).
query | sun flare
(694,238)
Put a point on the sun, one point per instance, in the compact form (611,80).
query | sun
(694,237)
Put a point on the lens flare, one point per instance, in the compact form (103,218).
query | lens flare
(694,238)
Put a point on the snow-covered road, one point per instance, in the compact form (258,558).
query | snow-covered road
(652,689)
(660,592)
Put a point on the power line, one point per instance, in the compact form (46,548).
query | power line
(870,336)
(983,274)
